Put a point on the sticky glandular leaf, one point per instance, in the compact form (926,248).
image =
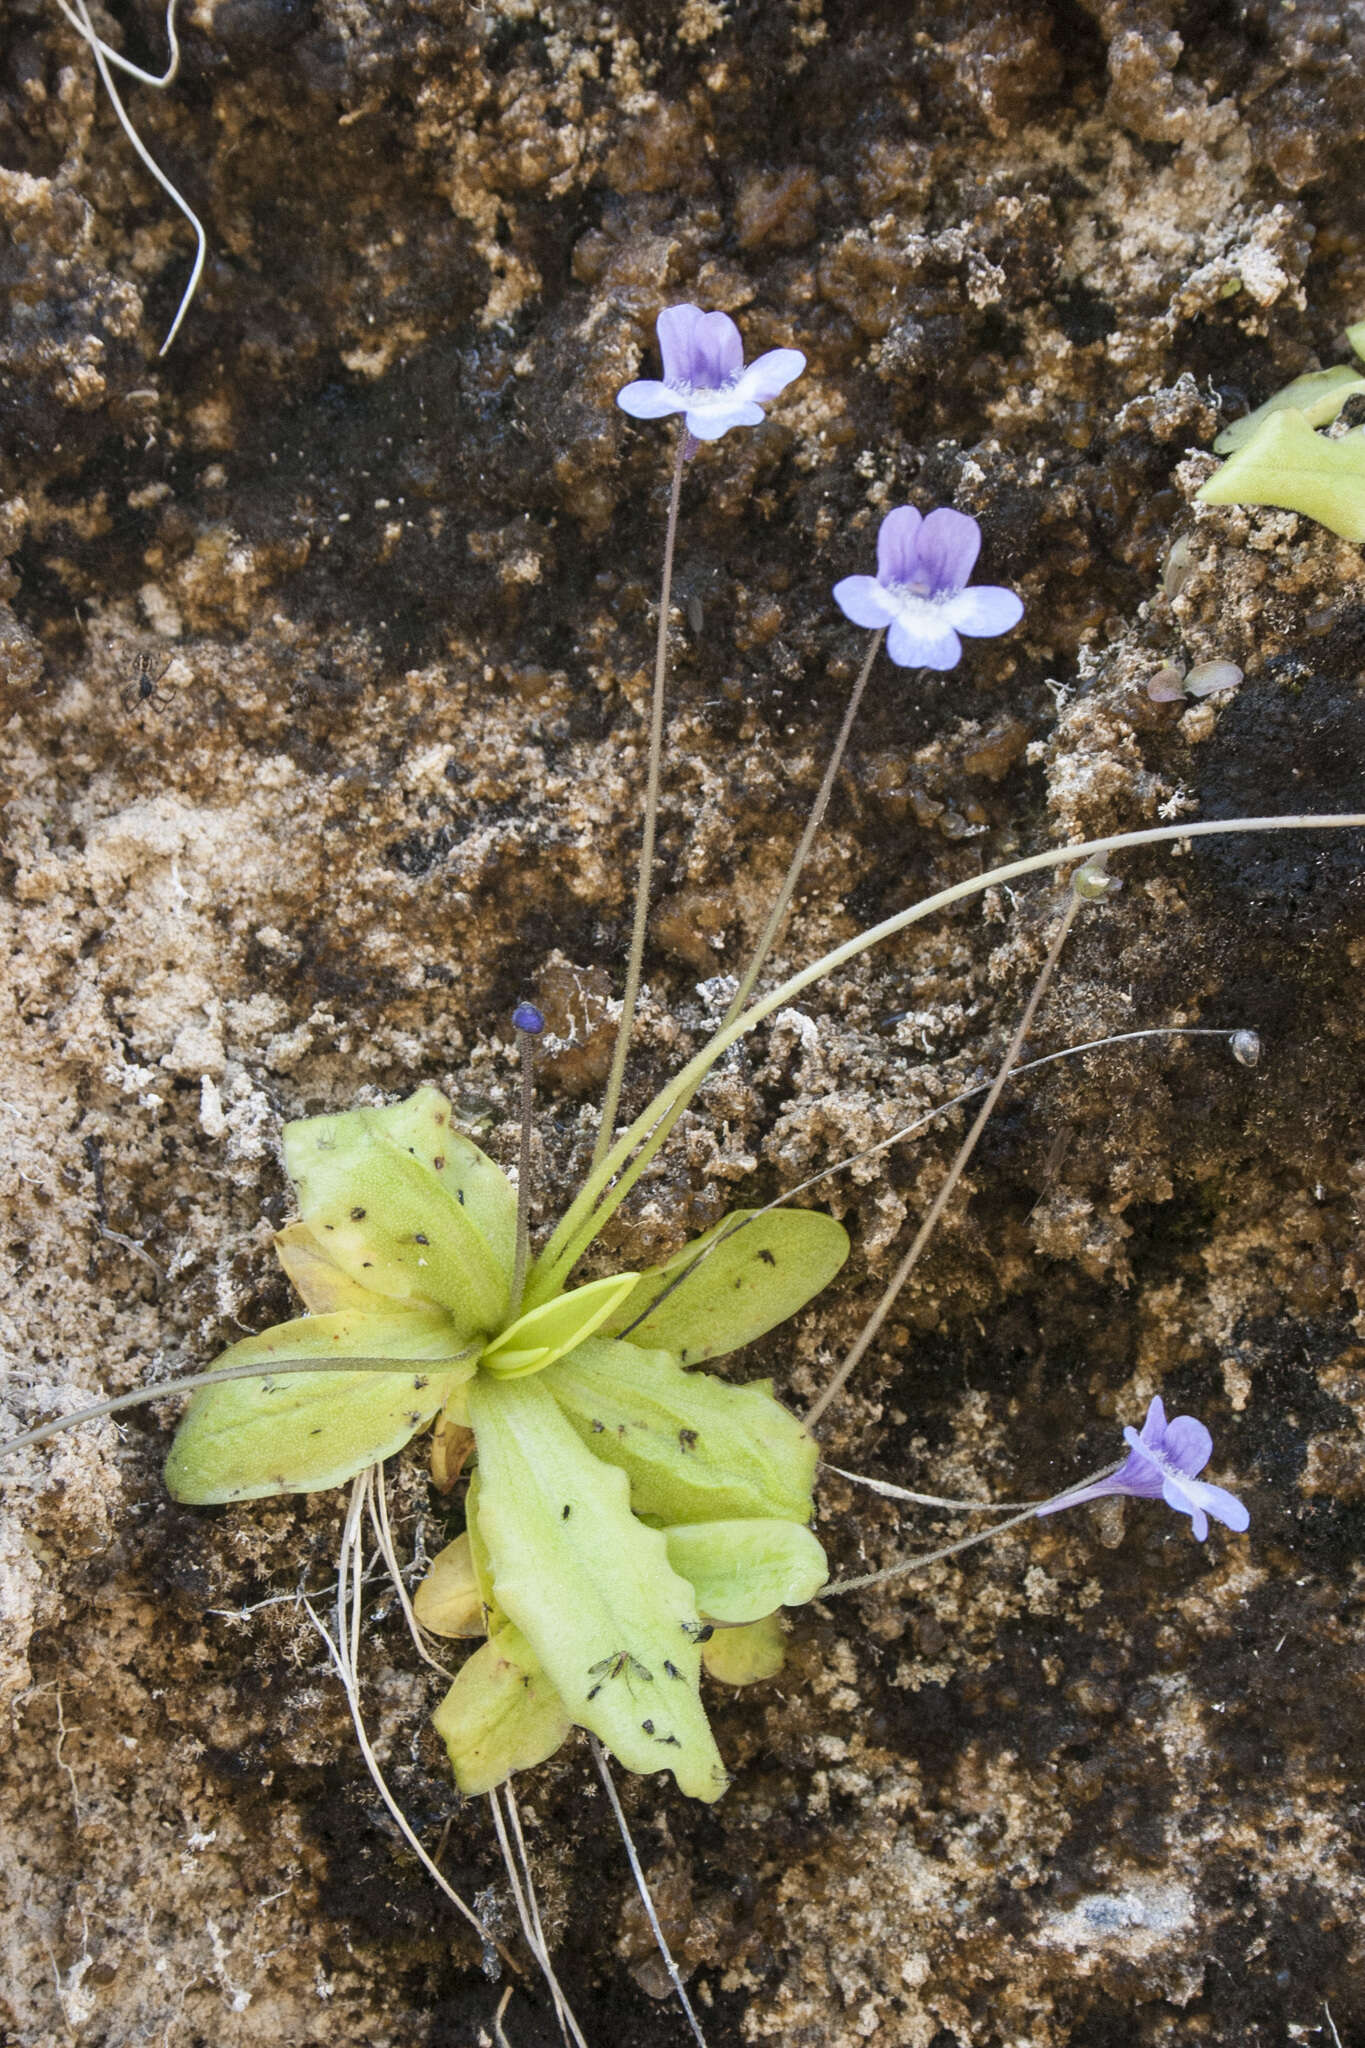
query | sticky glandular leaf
(448,1602)
(729,1286)
(1319,396)
(743,1656)
(1286,464)
(694,1448)
(323,1285)
(301,1432)
(501,1715)
(590,1587)
(422,1123)
(370,1192)
(742,1570)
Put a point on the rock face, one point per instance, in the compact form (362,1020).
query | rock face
(325,643)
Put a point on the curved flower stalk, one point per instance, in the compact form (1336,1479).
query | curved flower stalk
(920,594)
(622,1506)
(704,375)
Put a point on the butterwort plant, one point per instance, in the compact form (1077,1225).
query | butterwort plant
(623,1502)
(632,1516)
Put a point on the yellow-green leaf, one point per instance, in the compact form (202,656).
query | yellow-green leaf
(694,1448)
(546,1333)
(371,1193)
(448,1602)
(501,1715)
(423,1123)
(321,1283)
(301,1432)
(724,1289)
(742,1570)
(743,1656)
(1285,463)
(590,1587)
(1319,396)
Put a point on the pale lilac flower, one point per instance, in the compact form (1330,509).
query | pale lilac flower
(1161,1464)
(920,589)
(705,378)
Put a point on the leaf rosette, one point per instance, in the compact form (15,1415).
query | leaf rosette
(629,1517)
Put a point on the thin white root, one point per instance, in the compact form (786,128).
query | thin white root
(599,1757)
(379,1522)
(528,1910)
(79,17)
(344,1651)
(84,28)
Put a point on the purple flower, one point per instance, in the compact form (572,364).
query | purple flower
(920,589)
(1162,1462)
(705,378)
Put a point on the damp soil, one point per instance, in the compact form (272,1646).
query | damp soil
(324,645)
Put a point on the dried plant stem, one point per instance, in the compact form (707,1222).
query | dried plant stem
(768,937)
(217,1376)
(599,1757)
(518,1870)
(921,1123)
(344,1651)
(872,1326)
(635,960)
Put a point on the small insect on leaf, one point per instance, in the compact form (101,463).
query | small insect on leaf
(744,1656)
(733,1284)
(596,1595)
(694,1448)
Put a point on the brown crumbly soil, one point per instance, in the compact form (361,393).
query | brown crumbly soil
(380,546)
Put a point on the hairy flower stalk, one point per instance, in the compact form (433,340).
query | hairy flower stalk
(932,552)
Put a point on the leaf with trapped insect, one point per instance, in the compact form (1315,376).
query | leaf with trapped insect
(590,1446)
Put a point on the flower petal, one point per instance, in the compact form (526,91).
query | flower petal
(1154,1423)
(676,328)
(770,374)
(717,351)
(648,399)
(946,550)
(923,646)
(1198,1500)
(983,611)
(1188,1444)
(862,599)
(1175,1496)
(710,424)
(897,555)
(701,351)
